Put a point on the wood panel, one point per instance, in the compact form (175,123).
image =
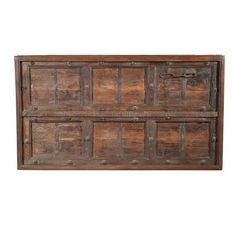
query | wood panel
(104,85)
(197,140)
(118,140)
(183,140)
(43,86)
(52,141)
(105,140)
(67,86)
(55,86)
(186,85)
(132,140)
(178,86)
(63,141)
(132,85)
(119,112)
(118,85)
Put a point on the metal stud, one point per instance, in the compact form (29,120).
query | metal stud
(70,162)
(35,162)
(24,113)
(168,162)
(23,88)
(213,139)
(134,108)
(203,162)
(103,162)
(26,141)
(151,85)
(134,162)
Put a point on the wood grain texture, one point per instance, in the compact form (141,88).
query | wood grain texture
(132,85)
(120,112)
(104,85)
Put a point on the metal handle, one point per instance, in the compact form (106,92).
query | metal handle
(185,75)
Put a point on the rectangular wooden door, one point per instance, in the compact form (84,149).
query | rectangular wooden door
(119,112)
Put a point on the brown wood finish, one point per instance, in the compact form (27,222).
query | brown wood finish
(120,112)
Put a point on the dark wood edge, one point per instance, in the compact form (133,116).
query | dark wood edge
(121,167)
(18,112)
(220,122)
(118,58)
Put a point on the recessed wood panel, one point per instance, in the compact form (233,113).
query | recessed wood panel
(43,86)
(56,140)
(69,138)
(105,140)
(132,85)
(118,140)
(197,140)
(68,86)
(55,86)
(170,92)
(43,139)
(168,140)
(133,140)
(183,140)
(104,85)
(185,86)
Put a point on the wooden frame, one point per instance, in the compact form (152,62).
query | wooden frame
(218,114)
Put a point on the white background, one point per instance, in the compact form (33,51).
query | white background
(115,202)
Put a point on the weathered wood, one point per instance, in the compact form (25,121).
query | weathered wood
(150,139)
(86,85)
(118,58)
(220,119)
(132,85)
(119,112)
(116,113)
(104,85)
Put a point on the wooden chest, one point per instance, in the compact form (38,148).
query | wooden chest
(119,112)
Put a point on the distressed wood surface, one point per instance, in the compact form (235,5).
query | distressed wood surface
(119,112)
